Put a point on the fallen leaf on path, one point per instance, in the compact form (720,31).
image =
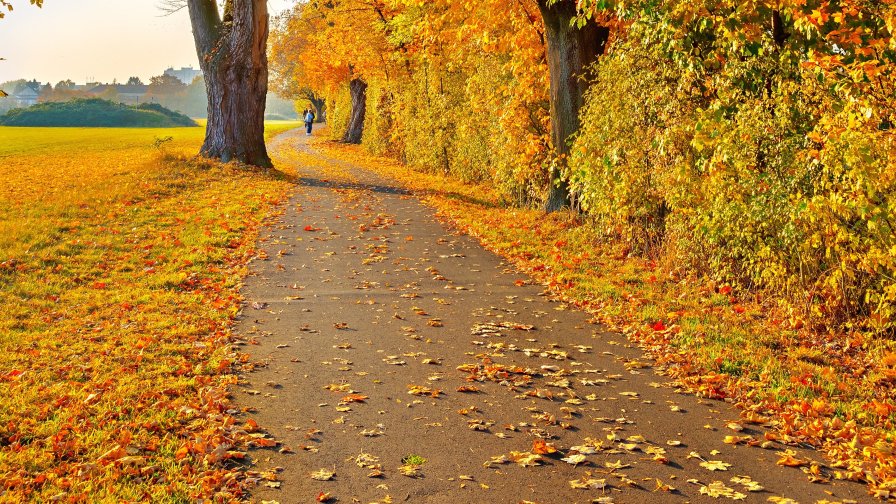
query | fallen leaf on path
(584,450)
(588,483)
(541,447)
(788,459)
(526,459)
(419,390)
(575,459)
(323,475)
(715,465)
(718,489)
(748,483)
(354,398)
(411,471)
(499,460)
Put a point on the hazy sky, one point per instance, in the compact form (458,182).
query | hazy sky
(100,39)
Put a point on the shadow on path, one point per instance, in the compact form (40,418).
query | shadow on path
(378,188)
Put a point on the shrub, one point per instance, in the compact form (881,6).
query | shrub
(95,112)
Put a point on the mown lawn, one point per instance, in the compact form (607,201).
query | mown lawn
(119,267)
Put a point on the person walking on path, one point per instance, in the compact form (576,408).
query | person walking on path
(309,120)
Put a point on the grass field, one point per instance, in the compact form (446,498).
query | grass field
(119,268)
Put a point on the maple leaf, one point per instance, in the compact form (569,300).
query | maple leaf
(541,447)
(748,483)
(419,390)
(588,484)
(526,459)
(718,489)
(323,475)
(788,459)
(616,465)
(715,465)
(575,459)
(410,470)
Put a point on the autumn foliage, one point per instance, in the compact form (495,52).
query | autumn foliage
(751,143)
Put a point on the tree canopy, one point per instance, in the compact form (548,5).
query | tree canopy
(749,141)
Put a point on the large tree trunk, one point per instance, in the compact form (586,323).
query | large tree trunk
(570,52)
(355,130)
(320,105)
(233,56)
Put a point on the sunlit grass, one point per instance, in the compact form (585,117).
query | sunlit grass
(118,274)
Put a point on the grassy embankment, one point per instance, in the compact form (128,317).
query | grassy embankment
(835,391)
(95,112)
(119,270)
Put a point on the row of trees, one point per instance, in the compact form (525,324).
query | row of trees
(749,141)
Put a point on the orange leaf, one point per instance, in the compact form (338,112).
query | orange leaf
(265,442)
(540,447)
(182,452)
(354,398)
(251,425)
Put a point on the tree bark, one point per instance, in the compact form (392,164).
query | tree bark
(321,105)
(233,56)
(570,52)
(778,33)
(355,130)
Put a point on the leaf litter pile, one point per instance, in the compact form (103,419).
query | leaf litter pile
(119,273)
(832,391)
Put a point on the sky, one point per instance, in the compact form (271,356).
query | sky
(97,39)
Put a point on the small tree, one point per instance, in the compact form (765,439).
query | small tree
(165,85)
(64,84)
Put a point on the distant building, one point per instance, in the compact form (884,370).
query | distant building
(133,93)
(26,94)
(185,74)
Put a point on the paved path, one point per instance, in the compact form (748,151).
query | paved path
(365,297)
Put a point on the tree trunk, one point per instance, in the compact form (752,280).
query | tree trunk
(570,52)
(233,56)
(355,130)
(321,106)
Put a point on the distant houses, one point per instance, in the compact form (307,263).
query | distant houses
(26,94)
(29,93)
(185,74)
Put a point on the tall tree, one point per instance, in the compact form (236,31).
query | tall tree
(571,49)
(232,50)
(289,78)
(340,43)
